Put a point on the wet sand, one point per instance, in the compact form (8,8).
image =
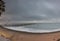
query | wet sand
(22,36)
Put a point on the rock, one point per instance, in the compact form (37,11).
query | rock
(3,39)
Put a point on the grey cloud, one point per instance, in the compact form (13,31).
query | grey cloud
(32,9)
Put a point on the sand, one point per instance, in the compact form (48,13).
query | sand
(22,36)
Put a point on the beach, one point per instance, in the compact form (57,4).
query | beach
(23,36)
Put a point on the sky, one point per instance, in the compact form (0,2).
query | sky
(20,10)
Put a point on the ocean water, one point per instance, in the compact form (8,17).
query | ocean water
(40,26)
(44,26)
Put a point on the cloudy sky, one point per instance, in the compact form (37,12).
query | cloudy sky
(32,9)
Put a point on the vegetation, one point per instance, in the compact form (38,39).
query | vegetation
(2,7)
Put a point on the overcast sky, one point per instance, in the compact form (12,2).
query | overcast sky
(32,9)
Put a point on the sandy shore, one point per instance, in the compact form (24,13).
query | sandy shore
(22,36)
